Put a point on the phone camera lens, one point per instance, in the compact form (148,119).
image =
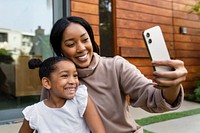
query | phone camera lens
(148,35)
(150,41)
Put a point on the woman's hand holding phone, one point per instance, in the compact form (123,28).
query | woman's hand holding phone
(168,74)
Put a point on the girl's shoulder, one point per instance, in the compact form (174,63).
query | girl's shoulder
(81,98)
(31,114)
(81,91)
(32,109)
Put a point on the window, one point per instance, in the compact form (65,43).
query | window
(106,28)
(3,38)
(19,26)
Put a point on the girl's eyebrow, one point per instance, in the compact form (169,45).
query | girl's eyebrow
(71,39)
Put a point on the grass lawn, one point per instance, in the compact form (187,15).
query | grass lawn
(165,117)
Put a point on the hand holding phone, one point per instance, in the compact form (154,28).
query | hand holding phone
(156,46)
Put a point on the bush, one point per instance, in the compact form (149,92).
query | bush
(196,8)
(5,56)
(195,95)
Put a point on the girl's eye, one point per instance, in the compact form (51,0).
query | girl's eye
(76,75)
(65,75)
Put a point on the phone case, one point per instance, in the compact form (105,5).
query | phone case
(156,46)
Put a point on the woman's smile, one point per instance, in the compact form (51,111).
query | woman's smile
(83,57)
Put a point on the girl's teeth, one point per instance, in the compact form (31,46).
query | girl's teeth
(70,89)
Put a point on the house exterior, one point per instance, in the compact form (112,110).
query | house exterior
(16,42)
(131,17)
(117,26)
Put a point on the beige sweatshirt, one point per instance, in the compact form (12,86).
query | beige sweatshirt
(109,80)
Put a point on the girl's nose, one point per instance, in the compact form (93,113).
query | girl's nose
(71,80)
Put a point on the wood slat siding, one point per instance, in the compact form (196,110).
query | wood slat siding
(134,16)
(89,10)
(187,46)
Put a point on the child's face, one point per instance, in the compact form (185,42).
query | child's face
(64,80)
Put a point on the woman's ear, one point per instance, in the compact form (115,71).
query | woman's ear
(46,83)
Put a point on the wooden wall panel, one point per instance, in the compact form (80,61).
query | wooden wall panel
(89,10)
(156,3)
(140,7)
(187,46)
(143,16)
(84,7)
(134,16)
(131,17)
(88,1)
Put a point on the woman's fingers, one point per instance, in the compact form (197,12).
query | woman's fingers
(171,63)
(169,79)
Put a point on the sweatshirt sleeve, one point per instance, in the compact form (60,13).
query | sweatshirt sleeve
(140,89)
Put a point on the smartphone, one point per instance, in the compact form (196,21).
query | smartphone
(156,46)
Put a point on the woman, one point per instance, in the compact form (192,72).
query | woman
(110,80)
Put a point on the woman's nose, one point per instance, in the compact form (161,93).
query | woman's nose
(81,47)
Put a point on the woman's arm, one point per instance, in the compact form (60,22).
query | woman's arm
(93,119)
(171,86)
(25,128)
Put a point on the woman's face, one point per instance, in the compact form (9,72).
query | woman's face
(76,45)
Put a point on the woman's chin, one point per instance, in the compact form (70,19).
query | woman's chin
(83,64)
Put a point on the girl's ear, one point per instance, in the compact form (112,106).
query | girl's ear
(46,83)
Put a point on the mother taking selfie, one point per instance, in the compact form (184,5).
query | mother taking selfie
(110,80)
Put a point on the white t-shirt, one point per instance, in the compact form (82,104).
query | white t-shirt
(67,119)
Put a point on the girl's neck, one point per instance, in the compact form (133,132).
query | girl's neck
(52,103)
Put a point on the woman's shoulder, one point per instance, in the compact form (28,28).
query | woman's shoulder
(117,59)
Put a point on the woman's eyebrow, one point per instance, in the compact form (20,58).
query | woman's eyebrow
(71,39)
(83,34)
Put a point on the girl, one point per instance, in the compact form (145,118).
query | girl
(67,104)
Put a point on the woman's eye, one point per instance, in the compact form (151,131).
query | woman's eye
(85,40)
(70,45)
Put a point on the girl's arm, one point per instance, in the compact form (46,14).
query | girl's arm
(93,119)
(25,128)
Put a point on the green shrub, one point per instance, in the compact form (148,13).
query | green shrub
(5,56)
(195,95)
(4,52)
(196,8)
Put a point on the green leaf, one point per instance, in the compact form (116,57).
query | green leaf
(196,8)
